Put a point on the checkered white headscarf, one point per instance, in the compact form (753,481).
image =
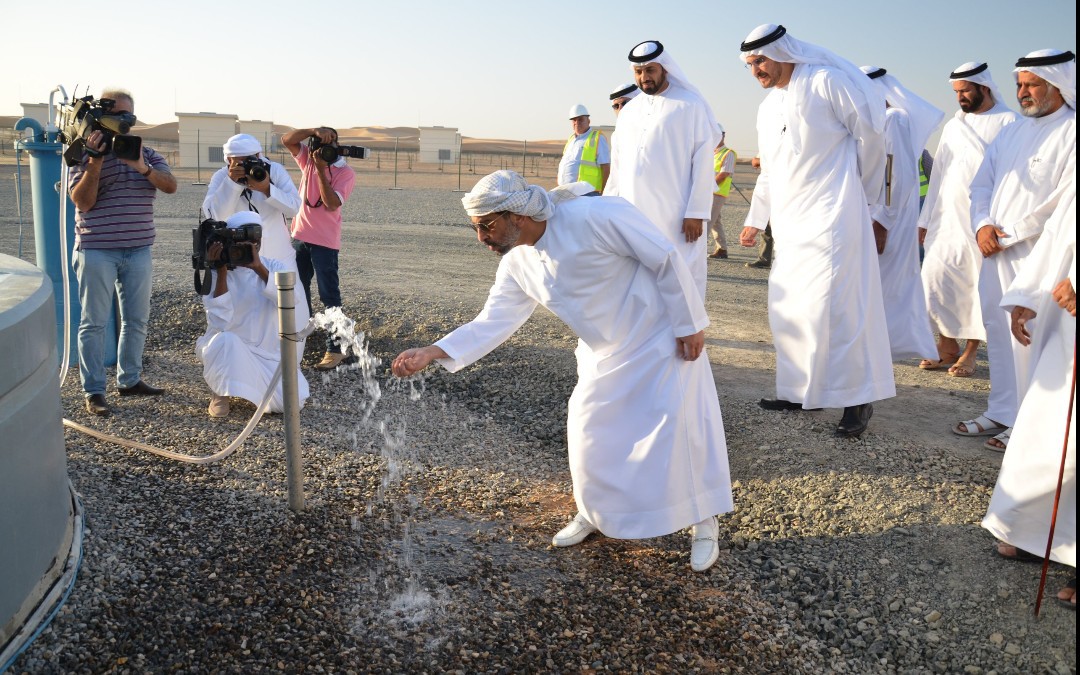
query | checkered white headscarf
(508,191)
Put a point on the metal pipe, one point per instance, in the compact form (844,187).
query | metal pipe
(888,180)
(294,462)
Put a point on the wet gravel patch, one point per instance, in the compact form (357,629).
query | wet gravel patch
(425,544)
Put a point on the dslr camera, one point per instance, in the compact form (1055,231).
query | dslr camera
(255,168)
(84,116)
(331,153)
(235,251)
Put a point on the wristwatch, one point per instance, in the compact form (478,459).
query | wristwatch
(149,168)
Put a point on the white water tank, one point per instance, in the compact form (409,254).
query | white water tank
(37,517)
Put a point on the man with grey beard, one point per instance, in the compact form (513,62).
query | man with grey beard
(1013,193)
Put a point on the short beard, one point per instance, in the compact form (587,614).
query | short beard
(657,87)
(976,102)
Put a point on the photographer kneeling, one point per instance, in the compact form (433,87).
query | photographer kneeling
(240,349)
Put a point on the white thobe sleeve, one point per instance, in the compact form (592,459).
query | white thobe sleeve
(611,188)
(222,196)
(702,177)
(627,232)
(1034,278)
(853,111)
(905,171)
(506,309)
(982,186)
(760,200)
(219,310)
(283,194)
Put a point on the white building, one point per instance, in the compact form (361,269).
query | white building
(264,131)
(36,111)
(201,136)
(439,145)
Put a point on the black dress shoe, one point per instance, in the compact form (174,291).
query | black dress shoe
(778,404)
(855,420)
(140,389)
(96,405)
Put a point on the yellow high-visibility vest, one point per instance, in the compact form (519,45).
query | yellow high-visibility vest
(924,180)
(588,168)
(718,161)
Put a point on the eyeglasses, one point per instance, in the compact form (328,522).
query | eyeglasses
(487,227)
(618,105)
(756,63)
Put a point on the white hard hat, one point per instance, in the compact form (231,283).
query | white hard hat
(578,110)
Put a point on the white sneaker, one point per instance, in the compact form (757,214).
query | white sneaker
(705,544)
(574,533)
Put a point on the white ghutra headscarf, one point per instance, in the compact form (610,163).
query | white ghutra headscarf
(1056,67)
(924,116)
(977,72)
(772,41)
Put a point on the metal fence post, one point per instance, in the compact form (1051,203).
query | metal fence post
(294,461)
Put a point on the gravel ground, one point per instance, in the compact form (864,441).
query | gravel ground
(424,546)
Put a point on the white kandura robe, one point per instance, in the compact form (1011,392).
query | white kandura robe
(240,349)
(1023,499)
(662,163)
(645,438)
(825,307)
(1016,189)
(950,268)
(224,197)
(910,335)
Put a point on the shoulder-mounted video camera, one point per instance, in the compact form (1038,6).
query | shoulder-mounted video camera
(331,153)
(235,251)
(84,116)
(255,168)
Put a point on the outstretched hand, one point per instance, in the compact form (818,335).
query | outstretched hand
(412,361)
(690,347)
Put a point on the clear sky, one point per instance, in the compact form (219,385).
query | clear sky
(492,69)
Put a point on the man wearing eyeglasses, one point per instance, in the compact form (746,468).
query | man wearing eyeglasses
(645,437)
(586,155)
(316,229)
(662,154)
(822,149)
(114,229)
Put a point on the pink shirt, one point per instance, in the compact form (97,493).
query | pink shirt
(317,224)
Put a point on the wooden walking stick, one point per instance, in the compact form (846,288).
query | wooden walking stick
(1057,494)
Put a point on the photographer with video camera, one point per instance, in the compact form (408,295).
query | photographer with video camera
(240,349)
(114,230)
(316,230)
(251,182)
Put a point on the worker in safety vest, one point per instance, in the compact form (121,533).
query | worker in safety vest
(723,168)
(587,155)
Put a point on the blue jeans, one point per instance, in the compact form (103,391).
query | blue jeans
(100,271)
(322,263)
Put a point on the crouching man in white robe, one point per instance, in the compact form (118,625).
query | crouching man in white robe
(240,350)
(822,162)
(1042,304)
(646,442)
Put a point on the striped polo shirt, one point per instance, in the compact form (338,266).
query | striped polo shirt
(123,216)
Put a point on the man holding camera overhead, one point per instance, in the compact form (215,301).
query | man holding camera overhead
(316,230)
(114,229)
(249,181)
